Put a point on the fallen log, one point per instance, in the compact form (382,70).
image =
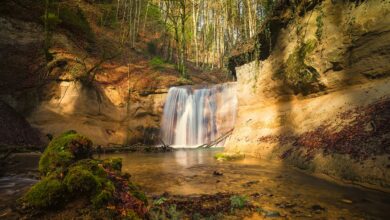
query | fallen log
(163,144)
(216,141)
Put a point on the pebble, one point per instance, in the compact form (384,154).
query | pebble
(271,214)
(346,201)
(317,208)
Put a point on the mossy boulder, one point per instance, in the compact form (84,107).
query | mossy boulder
(63,151)
(69,173)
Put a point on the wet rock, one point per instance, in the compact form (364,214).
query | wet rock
(317,209)
(286,205)
(217,173)
(250,183)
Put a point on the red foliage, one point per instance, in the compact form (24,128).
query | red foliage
(367,134)
(124,200)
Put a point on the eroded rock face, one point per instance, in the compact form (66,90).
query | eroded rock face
(15,130)
(101,113)
(350,56)
(121,106)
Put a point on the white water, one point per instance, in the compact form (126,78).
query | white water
(197,115)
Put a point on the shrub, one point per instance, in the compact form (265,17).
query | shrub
(157,63)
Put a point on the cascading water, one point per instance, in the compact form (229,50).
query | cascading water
(197,115)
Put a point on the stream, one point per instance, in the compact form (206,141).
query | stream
(272,185)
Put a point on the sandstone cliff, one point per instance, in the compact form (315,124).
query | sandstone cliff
(320,98)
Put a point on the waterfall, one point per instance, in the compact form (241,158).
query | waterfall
(196,115)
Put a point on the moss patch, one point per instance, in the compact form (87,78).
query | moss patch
(79,180)
(229,157)
(49,192)
(63,151)
(302,78)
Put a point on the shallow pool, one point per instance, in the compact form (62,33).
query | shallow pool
(272,184)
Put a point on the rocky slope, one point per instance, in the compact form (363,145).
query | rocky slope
(123,102)
(320,98)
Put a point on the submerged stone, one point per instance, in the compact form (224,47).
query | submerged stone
(229,156)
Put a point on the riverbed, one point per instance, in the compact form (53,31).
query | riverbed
(271,185)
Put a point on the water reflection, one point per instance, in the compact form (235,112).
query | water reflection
(187,172)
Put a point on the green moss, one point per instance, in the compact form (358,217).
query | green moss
(184,81)
(173,213)
(140,195)
(80,180)
(113,163)
(320,25)
(238,202)
(131,215)
(102,198)
(94,166)
(135,191)
(297,74)
(227,157)
(63,151)
(70,174)
(88,176)
(53,20)
(49,192)
(157,63)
